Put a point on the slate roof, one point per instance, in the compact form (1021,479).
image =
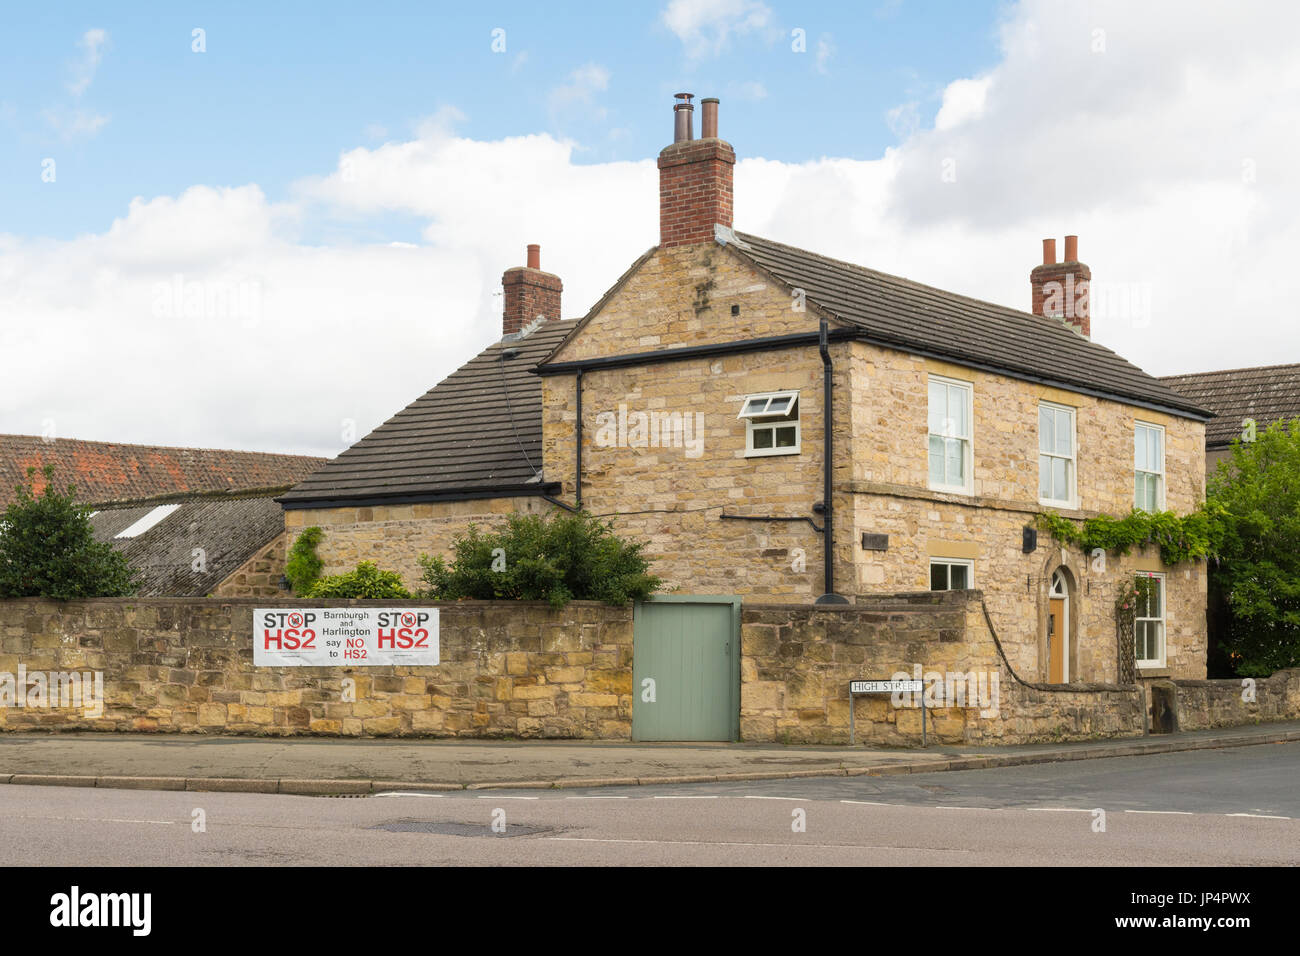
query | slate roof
(229,530)
(109,471)
(478,431)
(912,317)
(1267,394)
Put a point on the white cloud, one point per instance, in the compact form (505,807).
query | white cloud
(963,100)
(705,27)
(91,45)
(825,50)
(579,93)
(267,341)
(71,122)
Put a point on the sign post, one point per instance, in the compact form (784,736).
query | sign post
(859,687)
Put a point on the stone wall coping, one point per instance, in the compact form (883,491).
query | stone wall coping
(294,602)
(1223,683)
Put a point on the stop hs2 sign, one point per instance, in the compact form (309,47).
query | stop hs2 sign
(345,637)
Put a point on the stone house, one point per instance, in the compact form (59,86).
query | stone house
(1241,398)
(785,427)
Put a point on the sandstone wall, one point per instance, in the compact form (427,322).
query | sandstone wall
(186,665)
(260,575)
(797,663)
(1221,703)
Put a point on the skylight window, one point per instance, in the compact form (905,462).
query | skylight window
(147,522)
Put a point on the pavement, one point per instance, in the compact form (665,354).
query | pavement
(324,766)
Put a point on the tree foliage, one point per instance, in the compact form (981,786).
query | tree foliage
(366,581)
(1256,581)
(560,558)
(48,548)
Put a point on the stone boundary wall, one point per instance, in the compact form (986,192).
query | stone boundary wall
(186,665)
(797,662)
(1203,704)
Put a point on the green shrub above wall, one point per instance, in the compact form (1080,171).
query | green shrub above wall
(365,582)
(559,558)
(48,548)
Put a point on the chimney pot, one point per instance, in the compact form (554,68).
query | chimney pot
(683,124)
(534,256)
(709,118)
(1071,248)
(1049,252)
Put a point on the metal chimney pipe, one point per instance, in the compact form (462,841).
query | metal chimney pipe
(709,118)
(683,127)
(534,256)
(1049,252)
(1071,249)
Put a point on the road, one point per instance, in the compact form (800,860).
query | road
(1209,807)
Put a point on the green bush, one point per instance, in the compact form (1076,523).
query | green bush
(48,548)
(303,565)
(560,558)
(366,581)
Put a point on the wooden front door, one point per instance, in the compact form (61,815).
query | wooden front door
(1056,641)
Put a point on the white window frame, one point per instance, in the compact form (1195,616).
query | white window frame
(1160,475)
(1072,471)
(966,563)
(967,440)
(1162,620)
(758,420)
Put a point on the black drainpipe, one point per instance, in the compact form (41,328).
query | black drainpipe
(828,445)
(577,494)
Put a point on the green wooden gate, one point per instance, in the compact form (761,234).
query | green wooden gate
(686,668)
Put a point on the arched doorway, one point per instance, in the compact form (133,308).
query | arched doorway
(1058,629)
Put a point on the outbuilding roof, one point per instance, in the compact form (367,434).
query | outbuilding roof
(196,544)
(1267,394)
(110,471)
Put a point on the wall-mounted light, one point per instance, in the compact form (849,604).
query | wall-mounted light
(1029,539)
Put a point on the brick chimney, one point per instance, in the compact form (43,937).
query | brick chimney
(1061,289)
(530,294)
(695,176)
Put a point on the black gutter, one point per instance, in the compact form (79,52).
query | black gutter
(686,353)
(778,342)
(828,465)
(537,489)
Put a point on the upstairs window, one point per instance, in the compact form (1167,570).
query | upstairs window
(1148,467)
(950,435)
(1056,455)
(771,424)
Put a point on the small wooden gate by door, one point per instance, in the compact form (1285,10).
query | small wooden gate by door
(686,668)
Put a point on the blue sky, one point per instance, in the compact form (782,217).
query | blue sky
(278,242)
(278,95)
